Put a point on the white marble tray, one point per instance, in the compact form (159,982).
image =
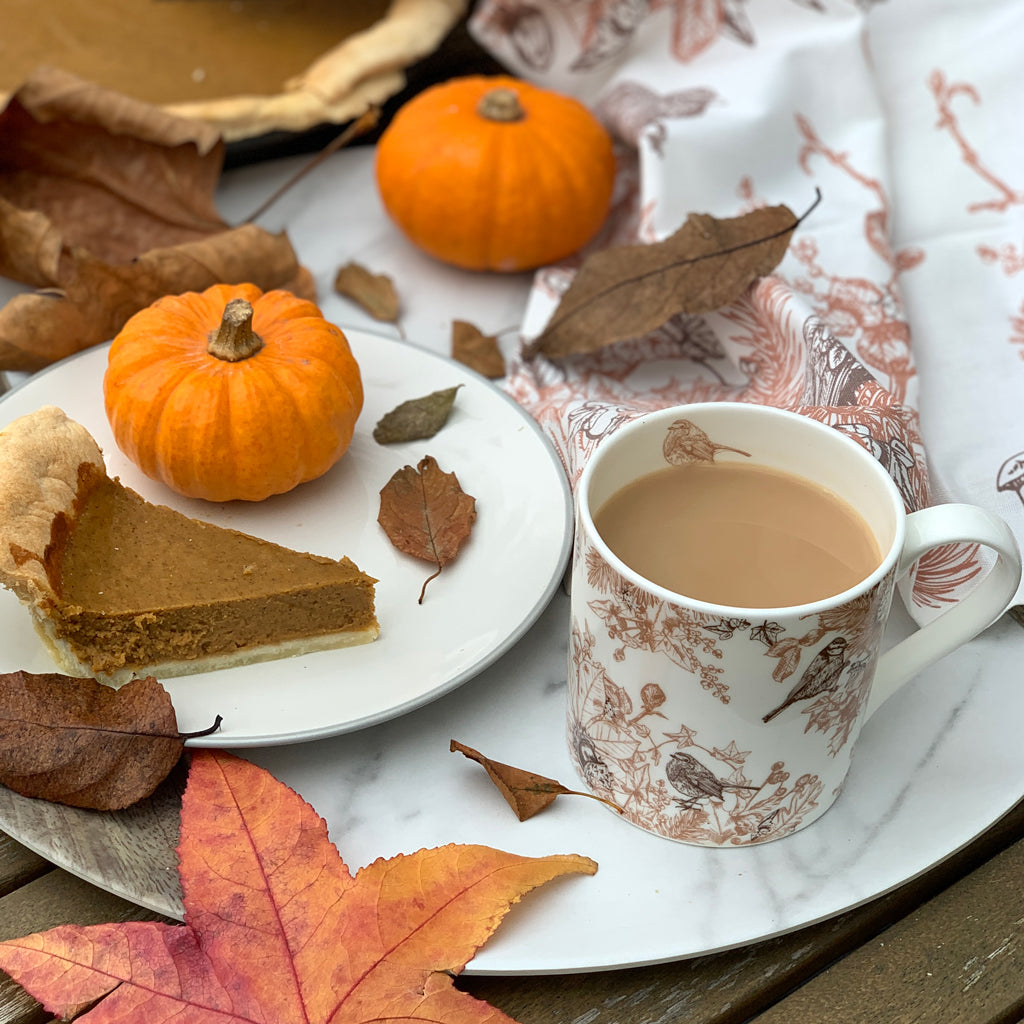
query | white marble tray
(937,765)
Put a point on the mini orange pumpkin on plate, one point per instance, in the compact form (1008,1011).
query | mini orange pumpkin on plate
(232,392)
(493,173)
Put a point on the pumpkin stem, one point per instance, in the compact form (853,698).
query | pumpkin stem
(235,340)
(500,104)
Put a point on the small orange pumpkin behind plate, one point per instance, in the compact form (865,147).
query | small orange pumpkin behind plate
(493,173)
(232,393)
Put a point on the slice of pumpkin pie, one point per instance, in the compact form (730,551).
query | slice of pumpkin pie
(118,587)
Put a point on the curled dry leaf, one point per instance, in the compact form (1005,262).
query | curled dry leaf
(627,291)
(106,204)
(77,742)
(279,930)
(426,514)
(527,793)
(478,351)
(416,419)
(375,293)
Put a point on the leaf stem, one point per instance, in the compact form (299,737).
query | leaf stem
(208,731)
(364,123)
(593,796)
(423,589)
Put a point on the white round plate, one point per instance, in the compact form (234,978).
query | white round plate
(482,602)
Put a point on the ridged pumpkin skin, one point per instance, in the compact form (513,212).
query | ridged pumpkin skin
(220,430)
(504,195)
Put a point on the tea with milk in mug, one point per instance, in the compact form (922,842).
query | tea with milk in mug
(738,534)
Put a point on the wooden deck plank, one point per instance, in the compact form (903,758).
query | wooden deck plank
(958,959)
(18,865)
(53,898)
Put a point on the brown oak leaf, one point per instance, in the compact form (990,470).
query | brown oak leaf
(77,742)
(277,929)
(425,513)
(478,351)
(106,204)
(526,792)
(627,291)
(375,293)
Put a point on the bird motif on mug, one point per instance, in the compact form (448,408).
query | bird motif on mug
(691,779)
(686,443)
(694,781)
(593,768)
(821,676)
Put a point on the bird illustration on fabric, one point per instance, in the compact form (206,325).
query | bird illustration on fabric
(694,781)
(686,443)
(820,676)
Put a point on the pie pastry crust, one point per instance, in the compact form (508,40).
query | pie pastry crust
(47,463)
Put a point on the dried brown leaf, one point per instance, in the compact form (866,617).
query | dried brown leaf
(113,175)
(78,742)
(627,291)
(527,793)
(416,419)
(478,351)
(107,203)
(37,328)
(426,514)
(375,293)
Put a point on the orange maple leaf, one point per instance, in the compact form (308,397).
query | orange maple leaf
(278,931)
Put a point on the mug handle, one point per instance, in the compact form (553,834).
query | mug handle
(929,528)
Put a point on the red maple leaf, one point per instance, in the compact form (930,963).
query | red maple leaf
(278,931)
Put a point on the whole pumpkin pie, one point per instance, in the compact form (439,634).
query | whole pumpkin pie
(246,68)
(118,586)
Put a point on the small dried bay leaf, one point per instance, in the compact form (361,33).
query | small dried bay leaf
(426,514)
(77,742)
(478,351)
(525,792)
(629,290)
(375,293)
(416,418)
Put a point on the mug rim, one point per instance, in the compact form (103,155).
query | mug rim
(885,566)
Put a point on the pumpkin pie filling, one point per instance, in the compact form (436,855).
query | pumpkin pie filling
(128,587)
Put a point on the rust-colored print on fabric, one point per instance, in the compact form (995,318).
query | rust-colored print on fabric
(1008,257)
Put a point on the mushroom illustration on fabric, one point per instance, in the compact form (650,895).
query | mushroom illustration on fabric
(1011,475)
(819,677)
(633,111)
(686,443)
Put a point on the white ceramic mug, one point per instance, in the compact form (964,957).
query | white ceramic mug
(726,726)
